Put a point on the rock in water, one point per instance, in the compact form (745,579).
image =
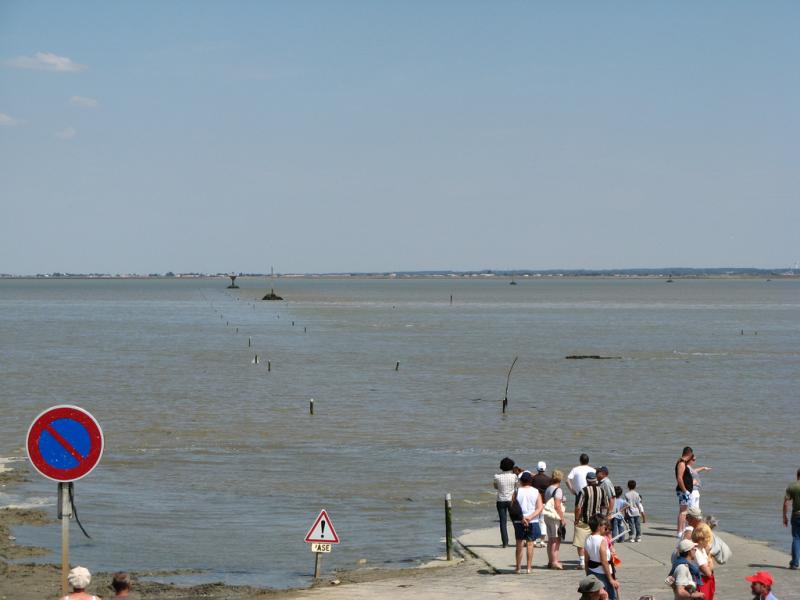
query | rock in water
(272,296)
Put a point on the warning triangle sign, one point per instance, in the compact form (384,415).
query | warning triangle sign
(322,530)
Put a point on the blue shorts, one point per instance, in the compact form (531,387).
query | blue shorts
(683,497)
(530,533)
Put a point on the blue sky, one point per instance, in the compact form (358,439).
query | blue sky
(379,136)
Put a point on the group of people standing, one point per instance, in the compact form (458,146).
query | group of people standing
(536,505)
(606,514)
(533,502)
(601,509)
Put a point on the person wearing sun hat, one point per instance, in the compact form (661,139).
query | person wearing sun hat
(685,575)
(79,579)
(591,588)
(761,585)
(693,518)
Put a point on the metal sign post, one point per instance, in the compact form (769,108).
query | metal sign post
(317,564)
(64,513)
(65,443)
(322,536)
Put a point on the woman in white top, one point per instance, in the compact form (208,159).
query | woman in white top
(79,579)
(702,536)
(598,555)
(527,528)
(694,496)
(552,524)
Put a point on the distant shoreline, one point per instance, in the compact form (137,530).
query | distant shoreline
(657,274)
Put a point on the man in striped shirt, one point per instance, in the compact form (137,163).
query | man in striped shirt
(591,501)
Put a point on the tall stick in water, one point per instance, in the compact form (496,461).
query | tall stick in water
(508,378)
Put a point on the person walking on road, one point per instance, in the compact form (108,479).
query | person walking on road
(635,512)
(792,498)
(684,487)
(505,483)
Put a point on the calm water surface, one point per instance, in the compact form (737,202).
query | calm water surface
(214,463)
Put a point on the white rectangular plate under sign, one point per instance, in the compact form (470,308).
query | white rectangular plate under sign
(321,547)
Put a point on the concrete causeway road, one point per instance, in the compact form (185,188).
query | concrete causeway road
(488,572)
(644,564)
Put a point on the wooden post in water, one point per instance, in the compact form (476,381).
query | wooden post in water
(64,513)
(311,406)
(508,378)
(269,366)
(249,341)
(397,366)
(448,525)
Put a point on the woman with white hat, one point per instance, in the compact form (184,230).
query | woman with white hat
(79,579)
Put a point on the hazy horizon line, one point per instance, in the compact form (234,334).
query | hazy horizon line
(676,271)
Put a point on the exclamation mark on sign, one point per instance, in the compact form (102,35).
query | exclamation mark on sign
(322,524)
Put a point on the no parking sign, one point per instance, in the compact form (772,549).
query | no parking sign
(64,443)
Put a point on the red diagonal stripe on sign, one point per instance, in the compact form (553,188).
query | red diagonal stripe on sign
(61,440)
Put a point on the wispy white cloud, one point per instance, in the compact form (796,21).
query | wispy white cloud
(66,134)
(8,120)
(46,61)
(84,102)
